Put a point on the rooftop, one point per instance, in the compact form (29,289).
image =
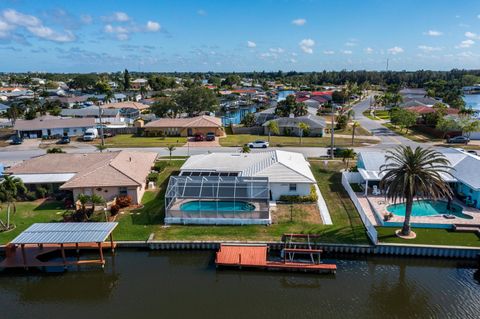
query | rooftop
(51,123)
(198,121)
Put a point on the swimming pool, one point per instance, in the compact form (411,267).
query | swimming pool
(217,206)
(428,208)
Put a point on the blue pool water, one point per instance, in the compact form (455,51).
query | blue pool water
(217,205)
(235,116)
(428,208)
(282,95)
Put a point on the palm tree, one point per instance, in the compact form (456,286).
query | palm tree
(303,127)
(272,127)
(101,147)
(355,124)
(245,149)
(170,149)
(108,97)
(10,188)
(96,199)
(348,154)
(84,200)
(414,174)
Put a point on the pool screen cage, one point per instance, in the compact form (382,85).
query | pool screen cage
(182,189)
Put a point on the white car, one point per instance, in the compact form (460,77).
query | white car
(258,144)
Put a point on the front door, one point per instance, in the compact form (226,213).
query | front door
(189,132)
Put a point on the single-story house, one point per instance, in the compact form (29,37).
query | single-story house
(138,83)
(53,126)
(71,101)
(186,126)
(108,174)
(290,125)
(235,188)
(464,178)
(128,108)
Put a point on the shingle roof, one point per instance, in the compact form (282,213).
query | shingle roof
(51,123)
(126,105)
(198,121)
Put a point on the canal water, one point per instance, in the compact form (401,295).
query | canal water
(186,284)
(472,101)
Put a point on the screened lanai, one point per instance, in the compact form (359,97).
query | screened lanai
(217,200)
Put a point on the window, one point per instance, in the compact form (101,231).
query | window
(292,187)
(122,191)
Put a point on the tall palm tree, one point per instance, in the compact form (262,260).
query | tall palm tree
(170,149)
(273,128)
(348,154)
(303,127)
(245,149)
(10,189)
(414,174)
(84,200)
(96,199)
(355,124)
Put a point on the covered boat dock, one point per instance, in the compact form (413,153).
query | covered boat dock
(44,238)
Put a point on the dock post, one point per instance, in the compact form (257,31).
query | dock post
(111,243)
(24,257)
(63,256)
(101,254)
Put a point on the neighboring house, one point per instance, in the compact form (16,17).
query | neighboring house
(413,93)
(71,101)
(53,126)
(91,111)
(186,126)
(424,101)
(127,109)
(3,108)
(290,125)
(108,174)
(138,83)
(465,179)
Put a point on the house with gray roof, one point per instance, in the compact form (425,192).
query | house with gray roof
(53,126)
(290,125)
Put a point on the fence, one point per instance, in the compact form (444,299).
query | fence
(371,231)
(122,130)
(256,130)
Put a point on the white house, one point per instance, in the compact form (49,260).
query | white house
(53,126)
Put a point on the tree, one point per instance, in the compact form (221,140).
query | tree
(170,149)
(126,80)
(96,199)
(84,81)
(414,174)
(109,96)
(165,107)
(402,118)
(10,189)
(469,125)
(84,200)
(245,149)
(291,106)
(55,150)
(447,124)
(355,124)
(196,100)
(248,120)
(102,87)
(101,147)
(303,128)
(13,113)
(348,154)
(273,128)
(342,122)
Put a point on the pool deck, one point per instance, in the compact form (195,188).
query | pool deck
(377,205)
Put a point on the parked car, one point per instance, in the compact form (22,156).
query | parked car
(337,151)
(199,137)
(90,134)
(210,136)
(458,139)
(64,140)
(258,144)
(16,140)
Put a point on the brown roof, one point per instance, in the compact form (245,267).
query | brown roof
(126,105)
(50,123)
(122,168)
(198,121)
(426,109)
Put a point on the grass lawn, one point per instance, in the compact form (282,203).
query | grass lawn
(379,115)
(239,140)
(430,236)
(127,140)
(412,134)
(29,213)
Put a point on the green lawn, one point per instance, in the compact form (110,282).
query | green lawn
(430,236)
(239,140)
(379,115)
(127,140)
(412,134)
(29,213)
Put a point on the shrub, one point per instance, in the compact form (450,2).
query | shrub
(114,210)
(160,166)
(313,197)
(41,192)
(124,201)
(30,196)
(152,177)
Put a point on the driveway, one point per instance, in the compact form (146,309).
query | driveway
(192,143)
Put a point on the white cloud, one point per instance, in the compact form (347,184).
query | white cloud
(276,50)
(350,44)
(307,45)
(121,16)
(85,18)
(368,50)
(251,44)
(153,26)
(433,33)
(292,60)
(121,33)
(347,52)
(395,50)
(427,48)
(465,44)
(299,22)
(472,35)
(13,19)
(328,52)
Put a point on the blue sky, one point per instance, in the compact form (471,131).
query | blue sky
(240,35)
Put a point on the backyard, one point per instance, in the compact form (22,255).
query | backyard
(239,140)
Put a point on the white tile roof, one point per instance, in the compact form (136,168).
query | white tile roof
(278,166)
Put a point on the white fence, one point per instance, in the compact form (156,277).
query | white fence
(346,178)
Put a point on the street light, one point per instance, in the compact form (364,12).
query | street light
(332,133)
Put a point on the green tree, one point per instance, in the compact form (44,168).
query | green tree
(10,189)
(355,124)
(196,100)
(101,147)
(84,199)
(414,174)
(248,120)
(165,107)
(291,106)
(245,149)
(55,150)
(170,149)
(303,128)
(273,128)
(96,199)
(348,154)
(126,80)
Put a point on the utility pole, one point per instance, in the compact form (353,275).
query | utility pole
(332,129)
(100,111)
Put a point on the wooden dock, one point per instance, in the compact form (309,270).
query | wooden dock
(255,256)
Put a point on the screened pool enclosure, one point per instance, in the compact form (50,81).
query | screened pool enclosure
(217,200)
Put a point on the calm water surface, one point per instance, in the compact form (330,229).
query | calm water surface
(472,100)
(145,284)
